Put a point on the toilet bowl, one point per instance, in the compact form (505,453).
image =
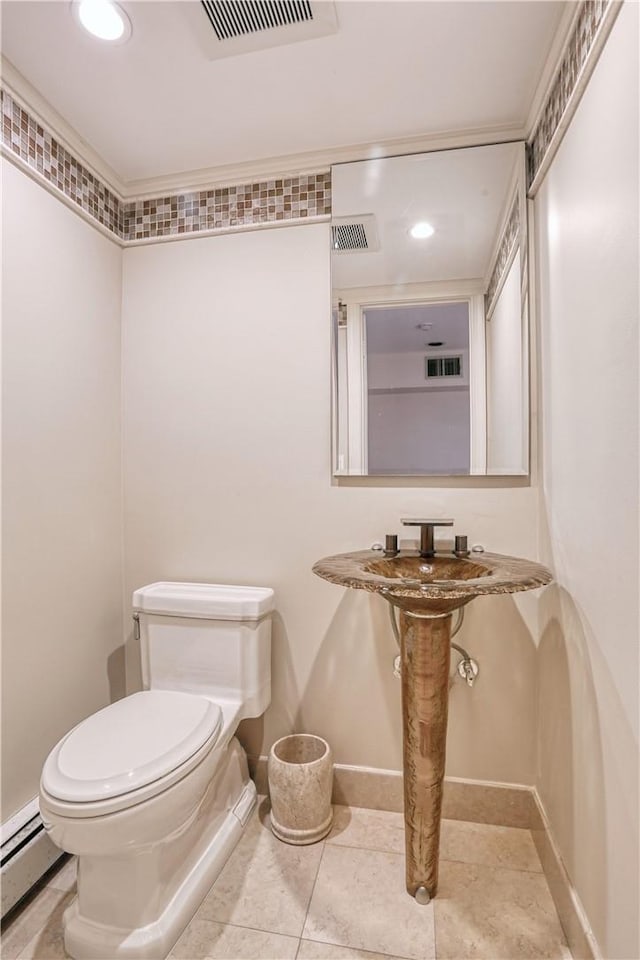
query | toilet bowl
(152,792)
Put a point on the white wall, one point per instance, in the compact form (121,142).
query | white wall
(587,288)
(417,432)
(506,447)
(387,370)
(62,596)
(228,478)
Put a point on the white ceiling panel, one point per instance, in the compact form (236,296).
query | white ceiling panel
(159,106)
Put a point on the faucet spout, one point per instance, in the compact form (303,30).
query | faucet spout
(427,548)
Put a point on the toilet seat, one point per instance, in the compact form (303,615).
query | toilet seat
(129,751)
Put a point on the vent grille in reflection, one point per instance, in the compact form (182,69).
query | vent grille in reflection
(443,367)
(349,236)
(355,233)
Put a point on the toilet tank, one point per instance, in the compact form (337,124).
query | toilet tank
(206,638)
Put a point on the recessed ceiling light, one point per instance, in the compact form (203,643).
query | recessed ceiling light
(103,19)
(423,326)
(422,230)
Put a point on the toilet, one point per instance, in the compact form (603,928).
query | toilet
(152,793)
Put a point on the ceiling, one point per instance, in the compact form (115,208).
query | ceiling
(157,106)
(463,194)
(395,329)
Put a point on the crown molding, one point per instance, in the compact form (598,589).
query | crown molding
(47,116)
(303,164)
(226,231)
(611,11)
(287,165)
(551,65)
(406,292)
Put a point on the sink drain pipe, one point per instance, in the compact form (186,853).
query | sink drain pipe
(467,668)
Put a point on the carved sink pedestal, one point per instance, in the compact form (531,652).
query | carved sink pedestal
(427,591)
(425,650)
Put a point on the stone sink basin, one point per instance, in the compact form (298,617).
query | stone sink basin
(427,589)
(435,585)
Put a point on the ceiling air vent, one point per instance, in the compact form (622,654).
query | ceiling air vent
(233,27)
(235,18)
(354,234)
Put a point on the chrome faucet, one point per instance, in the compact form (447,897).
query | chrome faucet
(427,548)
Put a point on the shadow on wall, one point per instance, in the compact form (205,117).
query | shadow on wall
(491,734)
(351,697)
(116,674)
(284,695)
(571,776)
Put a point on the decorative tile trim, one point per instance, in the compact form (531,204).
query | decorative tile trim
(580,47)
(177,215)
(508,242)
(269,201)
(273,200)
(24,137)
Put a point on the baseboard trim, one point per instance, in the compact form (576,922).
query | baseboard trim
(26,857)
(478,801)
(580,936)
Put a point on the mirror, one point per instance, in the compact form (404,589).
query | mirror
(430,332)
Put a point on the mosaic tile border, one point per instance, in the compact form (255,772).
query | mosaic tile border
(577,52)
(508,241)
(270,201)
(266,202)
(24,137)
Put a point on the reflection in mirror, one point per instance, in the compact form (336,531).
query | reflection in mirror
(430,332)
(413,378)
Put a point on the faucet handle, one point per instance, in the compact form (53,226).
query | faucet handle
(427,548)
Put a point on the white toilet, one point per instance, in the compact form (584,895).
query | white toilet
(153,792)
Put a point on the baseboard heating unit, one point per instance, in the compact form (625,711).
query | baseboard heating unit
(27,854)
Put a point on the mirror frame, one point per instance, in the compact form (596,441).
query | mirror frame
(349,458)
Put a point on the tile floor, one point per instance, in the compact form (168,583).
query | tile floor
(344,898)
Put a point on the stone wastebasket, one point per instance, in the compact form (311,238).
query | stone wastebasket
(300,771)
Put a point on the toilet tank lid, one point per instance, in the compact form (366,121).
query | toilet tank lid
(205,601)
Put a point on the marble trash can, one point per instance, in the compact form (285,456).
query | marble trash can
(300,770)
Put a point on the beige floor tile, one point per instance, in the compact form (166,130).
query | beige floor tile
(483,843)
(468,842)
(65,878)
(29,922)
(266,884)
(495,914)
(360,901)
(48,944)
(369,829)
(313,950)
(218,941)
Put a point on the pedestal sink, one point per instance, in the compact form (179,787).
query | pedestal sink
(427,590)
